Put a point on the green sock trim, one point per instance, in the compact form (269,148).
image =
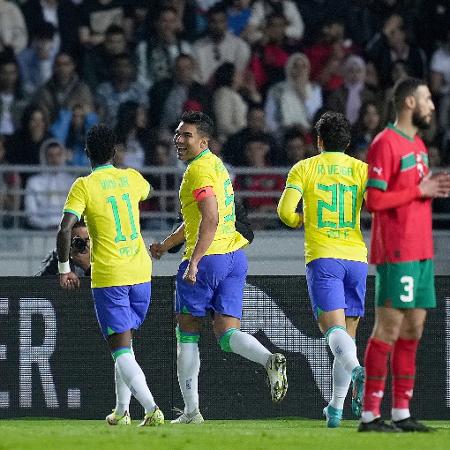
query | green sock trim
(121,351)
(224,340)
(332,329)
(186,338)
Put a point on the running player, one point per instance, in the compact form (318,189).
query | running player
(332,185)
(211,277)
(121,267)
(399,193)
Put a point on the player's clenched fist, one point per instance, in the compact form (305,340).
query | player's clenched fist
(69,280)
(156,250)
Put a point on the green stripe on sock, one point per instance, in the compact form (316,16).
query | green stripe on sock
(119,352)
(224,340)
(332,329)
(186,338)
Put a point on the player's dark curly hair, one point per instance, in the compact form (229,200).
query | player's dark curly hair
(404,88)
(334,130)
(100,144)
(203,123)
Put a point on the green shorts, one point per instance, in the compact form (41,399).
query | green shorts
(405,285)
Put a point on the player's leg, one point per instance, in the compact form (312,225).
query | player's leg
(227,305)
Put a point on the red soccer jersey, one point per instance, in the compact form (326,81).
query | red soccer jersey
(397,162)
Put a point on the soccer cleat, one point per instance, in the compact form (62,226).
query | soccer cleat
(194,418)
(379,426)
(358,376)
(411,424)
(153,419)
(276,373)
(333,416)
(113,419)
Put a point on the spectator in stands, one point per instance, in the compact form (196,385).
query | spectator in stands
(348,98)
(229,108)
(233,148)
(440,81)
(36,61)
(99,59)
(64,90)
(23,146)
(12,102)
(13,30)
(256,156)
(262,9)
(156,55)
(219,46)
(79,258)
(295,146)
(9,184)
(45,193)
(178,93)
(294,101)
(95,18)
(239,14)
(131,130)
(71,127)
(122,88)
(270,56)
(390,45)
(365,129)
(62,14)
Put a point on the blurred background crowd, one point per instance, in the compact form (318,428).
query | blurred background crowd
(263,69)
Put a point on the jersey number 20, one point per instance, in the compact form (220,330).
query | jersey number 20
(340,193)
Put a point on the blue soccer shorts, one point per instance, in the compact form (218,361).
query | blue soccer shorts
(219,287)
(121,308)
(337,284)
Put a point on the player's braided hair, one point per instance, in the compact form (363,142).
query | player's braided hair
(334,130)
(203,123)
(404,88)
(100,144)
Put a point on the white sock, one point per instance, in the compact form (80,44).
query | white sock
(343,348)
(188,368)
(123,393)
(249,347)
(368,416)
(400,414)
(341,382)
(134,378)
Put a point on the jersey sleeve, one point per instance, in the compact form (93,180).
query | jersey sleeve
(76,199)
(295,179)
(363,176)
(201,177)
(379,159)
(141,185)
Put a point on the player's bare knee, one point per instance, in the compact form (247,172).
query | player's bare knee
(386,333)
(224,339)
(413,332)
(188,323)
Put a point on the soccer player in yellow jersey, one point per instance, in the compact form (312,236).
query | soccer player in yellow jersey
(121,267)
(332,185)
(211,277)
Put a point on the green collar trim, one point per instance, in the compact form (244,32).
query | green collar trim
(392,127)
(105,166)
(203,153)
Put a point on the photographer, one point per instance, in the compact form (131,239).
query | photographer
(79,254)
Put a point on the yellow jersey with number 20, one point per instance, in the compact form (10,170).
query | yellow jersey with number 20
(109,200)
(206,169)
(332,185)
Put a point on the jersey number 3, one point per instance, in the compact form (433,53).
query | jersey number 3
(119,234)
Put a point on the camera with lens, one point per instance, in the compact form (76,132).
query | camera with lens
(79,244)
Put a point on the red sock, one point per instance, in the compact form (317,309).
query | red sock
(376,366)
(403,369)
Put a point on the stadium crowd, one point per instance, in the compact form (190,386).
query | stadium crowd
(264,69)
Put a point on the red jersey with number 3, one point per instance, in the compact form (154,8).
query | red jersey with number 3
(397,162)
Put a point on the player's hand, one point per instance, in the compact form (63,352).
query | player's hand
(190,274)
(69,281)
(435,185)
(157,250)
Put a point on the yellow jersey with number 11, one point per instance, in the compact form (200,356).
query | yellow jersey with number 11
(332,185)
(207,170)
(109,200)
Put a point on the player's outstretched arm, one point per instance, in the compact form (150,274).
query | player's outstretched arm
(157,249)
(67,279)
(287,208)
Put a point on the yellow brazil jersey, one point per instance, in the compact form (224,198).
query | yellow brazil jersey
(205,170)
(109,200)
(332,185)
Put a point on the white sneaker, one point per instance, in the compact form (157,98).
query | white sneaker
(276,372)
(113,419)
(153,419)
(194,417)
